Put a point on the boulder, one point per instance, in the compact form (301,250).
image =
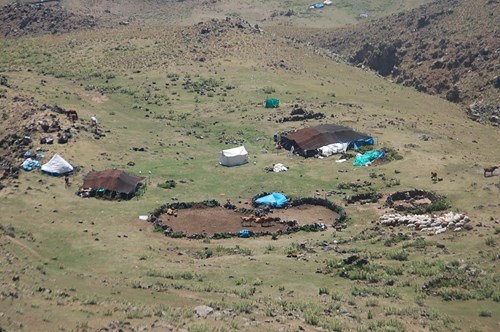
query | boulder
(203,310)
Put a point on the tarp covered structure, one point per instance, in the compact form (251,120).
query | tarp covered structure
(233,157)
(57,166)
(367,158)
(308,141)
(275,200)
(272,103)
(113,180)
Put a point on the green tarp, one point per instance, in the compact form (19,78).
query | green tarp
(272,103)
(364,159)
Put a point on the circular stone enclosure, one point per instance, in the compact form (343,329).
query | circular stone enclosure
(202,220)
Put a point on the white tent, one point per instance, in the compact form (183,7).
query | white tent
(233,157)
(57,166)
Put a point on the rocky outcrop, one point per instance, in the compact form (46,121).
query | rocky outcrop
(447,48)
(41,18)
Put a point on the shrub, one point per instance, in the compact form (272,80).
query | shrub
(485,313)
(398,255)
(391,154)
(169,184)
(242,307)
(324,291)
(177,234)
(490,241)
(268,90)
(311,317)
(204,254)
(332,324)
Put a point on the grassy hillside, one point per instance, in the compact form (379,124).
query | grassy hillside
(186,93)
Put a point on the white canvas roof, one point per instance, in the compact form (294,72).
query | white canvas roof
(57,165)
(233,157)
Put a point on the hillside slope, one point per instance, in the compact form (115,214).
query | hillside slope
(35,19)
(448,48)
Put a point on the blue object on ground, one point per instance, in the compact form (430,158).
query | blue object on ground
(368,157)
(245,233)
(274,200)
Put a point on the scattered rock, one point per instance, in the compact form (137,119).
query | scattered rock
(203,310)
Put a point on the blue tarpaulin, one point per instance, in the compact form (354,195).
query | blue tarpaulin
(319,5)
(363,159)
(360,142)
(245,233)
(274,200)
(29,164)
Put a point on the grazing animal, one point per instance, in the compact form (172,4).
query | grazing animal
(434,175)
(94,120)
(490,170)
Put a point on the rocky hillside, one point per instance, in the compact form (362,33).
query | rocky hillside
(448,48)
(35,19)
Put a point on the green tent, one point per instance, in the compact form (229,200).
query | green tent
(272,103)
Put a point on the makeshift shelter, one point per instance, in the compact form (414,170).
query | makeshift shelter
(110,183)
(274,200)
(233,157)
(367,158)
(57,166)
(272,103)
(325,137)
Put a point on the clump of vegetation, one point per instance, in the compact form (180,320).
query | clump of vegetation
(391,154)
(168,184)
(202,86)
(398,255)
(268,90)
(177,234)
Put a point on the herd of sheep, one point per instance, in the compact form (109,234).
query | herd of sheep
(426,223)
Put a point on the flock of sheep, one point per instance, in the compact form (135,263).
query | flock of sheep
(426,223)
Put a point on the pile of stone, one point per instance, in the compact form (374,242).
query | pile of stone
(426,223)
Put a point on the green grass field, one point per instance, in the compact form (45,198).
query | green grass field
(82,263)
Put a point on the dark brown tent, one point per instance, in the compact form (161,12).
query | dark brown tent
(112,180)
(306,141)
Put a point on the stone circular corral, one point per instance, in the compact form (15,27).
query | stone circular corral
(416,201)
(209,219)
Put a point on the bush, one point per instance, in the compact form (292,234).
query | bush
(490,241)
(177,234)
(324,291)
(311,318)
(268,90)
(169,184)
(485,313)
(398,255)
(204,254)
(391,154)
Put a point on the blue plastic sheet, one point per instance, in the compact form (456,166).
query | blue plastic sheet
(364,159)
(30,164)
(274,200)
(245,233)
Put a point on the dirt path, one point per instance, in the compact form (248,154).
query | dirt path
(24,246)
